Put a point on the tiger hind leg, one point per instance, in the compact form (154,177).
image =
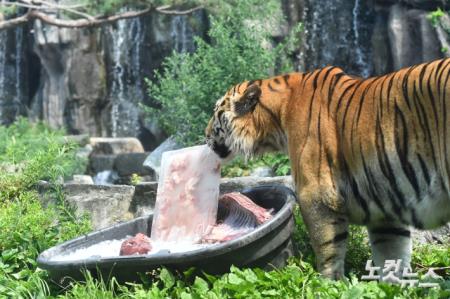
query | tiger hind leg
(391,242)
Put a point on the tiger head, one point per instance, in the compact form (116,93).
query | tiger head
(243,124)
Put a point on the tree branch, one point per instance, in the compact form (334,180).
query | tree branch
(87,20)
(164,10)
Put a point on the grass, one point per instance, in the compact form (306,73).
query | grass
(30,153)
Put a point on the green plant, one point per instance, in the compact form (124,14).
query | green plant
(29,153)
(135,179)
(435,16)
(279,163)
(190,83)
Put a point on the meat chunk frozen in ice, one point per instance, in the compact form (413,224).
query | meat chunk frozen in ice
(187,196)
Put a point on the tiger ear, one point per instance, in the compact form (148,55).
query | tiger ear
(248,101)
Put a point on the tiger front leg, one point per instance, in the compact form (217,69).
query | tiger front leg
(328,231)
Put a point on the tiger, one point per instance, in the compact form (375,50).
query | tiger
(367,151)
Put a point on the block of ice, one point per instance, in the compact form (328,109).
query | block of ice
(187,195)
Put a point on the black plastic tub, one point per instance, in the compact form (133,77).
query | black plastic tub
(269,245)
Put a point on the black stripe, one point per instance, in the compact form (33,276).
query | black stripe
(239,86)
(276,80)
(424,169)
(444,99)
(306,77)
(380,96)
(363,98)
(373,185)
(439,72)
(342,95)
(286,78)
(349,100)
(328,259)
(271,88)
(327,73)
(389,89)
(401,147)
(385,164)
(396,207)
(426,126)
(311,102)
(391,231)
(417,223)
(405,86)
(362,202)
(380,241)
(433,103)
(338,238)
(422,73)
(331,88)
(319,137)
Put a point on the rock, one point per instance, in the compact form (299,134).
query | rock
(114,146)
(84,152)
(337,33)
(413,39)
(131,163)
(14,73)
(82,179)
(144,199)
(440,235)
(99,163)
(262,171)
(70,92)
(381,49)
(106,205)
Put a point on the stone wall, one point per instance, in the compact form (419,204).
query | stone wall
(366,38)
(91,81)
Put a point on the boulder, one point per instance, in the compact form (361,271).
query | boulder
(440,235)
(144,199)
(82,179)
(106,205)
(114,146)
(412,37)
(131,163)
(99,163)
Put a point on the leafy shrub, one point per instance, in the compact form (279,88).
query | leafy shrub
(29,153)
(190,83)
(279,163)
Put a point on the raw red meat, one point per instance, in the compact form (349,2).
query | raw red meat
(139,244)
(238,215)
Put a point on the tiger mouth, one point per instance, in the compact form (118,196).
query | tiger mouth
(220,149)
